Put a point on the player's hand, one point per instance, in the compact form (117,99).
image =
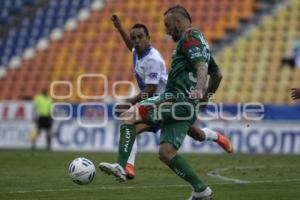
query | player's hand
(196,95)
(295,94)
(205,98)
(117,22)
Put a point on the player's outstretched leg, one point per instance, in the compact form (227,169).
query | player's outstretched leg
(127,138)
(139,128)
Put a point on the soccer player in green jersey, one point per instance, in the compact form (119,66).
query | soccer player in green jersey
(176,109)
(139,34)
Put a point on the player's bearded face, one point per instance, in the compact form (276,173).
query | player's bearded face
(172,29)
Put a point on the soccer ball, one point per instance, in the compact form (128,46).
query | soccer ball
(82,171)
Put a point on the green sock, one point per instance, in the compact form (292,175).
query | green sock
(127,137)
(184,171)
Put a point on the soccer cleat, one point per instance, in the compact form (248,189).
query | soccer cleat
(113,169)
(129,171)
(201,198)
(225,143)
(205,195)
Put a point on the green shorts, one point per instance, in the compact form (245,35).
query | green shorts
(175,118)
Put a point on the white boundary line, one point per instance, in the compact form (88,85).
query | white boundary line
(217,173)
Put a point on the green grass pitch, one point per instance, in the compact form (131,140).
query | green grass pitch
(26,175)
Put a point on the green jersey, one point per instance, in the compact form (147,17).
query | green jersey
(191,48)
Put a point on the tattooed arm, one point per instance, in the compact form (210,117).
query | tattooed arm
(202,69)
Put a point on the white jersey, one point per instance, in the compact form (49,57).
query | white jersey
(150,68)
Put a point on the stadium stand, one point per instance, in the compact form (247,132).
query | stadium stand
(12,13)
(94,46)
(252,66)
(33,75)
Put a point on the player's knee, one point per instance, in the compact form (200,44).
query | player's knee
(129,117)
(163,156)
(166,152)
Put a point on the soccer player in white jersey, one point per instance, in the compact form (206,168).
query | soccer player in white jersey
(151,76)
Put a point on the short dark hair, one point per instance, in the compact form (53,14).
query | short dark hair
(141,26)
(181,10)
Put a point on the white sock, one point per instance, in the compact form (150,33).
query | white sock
(133,152)
(210,134)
